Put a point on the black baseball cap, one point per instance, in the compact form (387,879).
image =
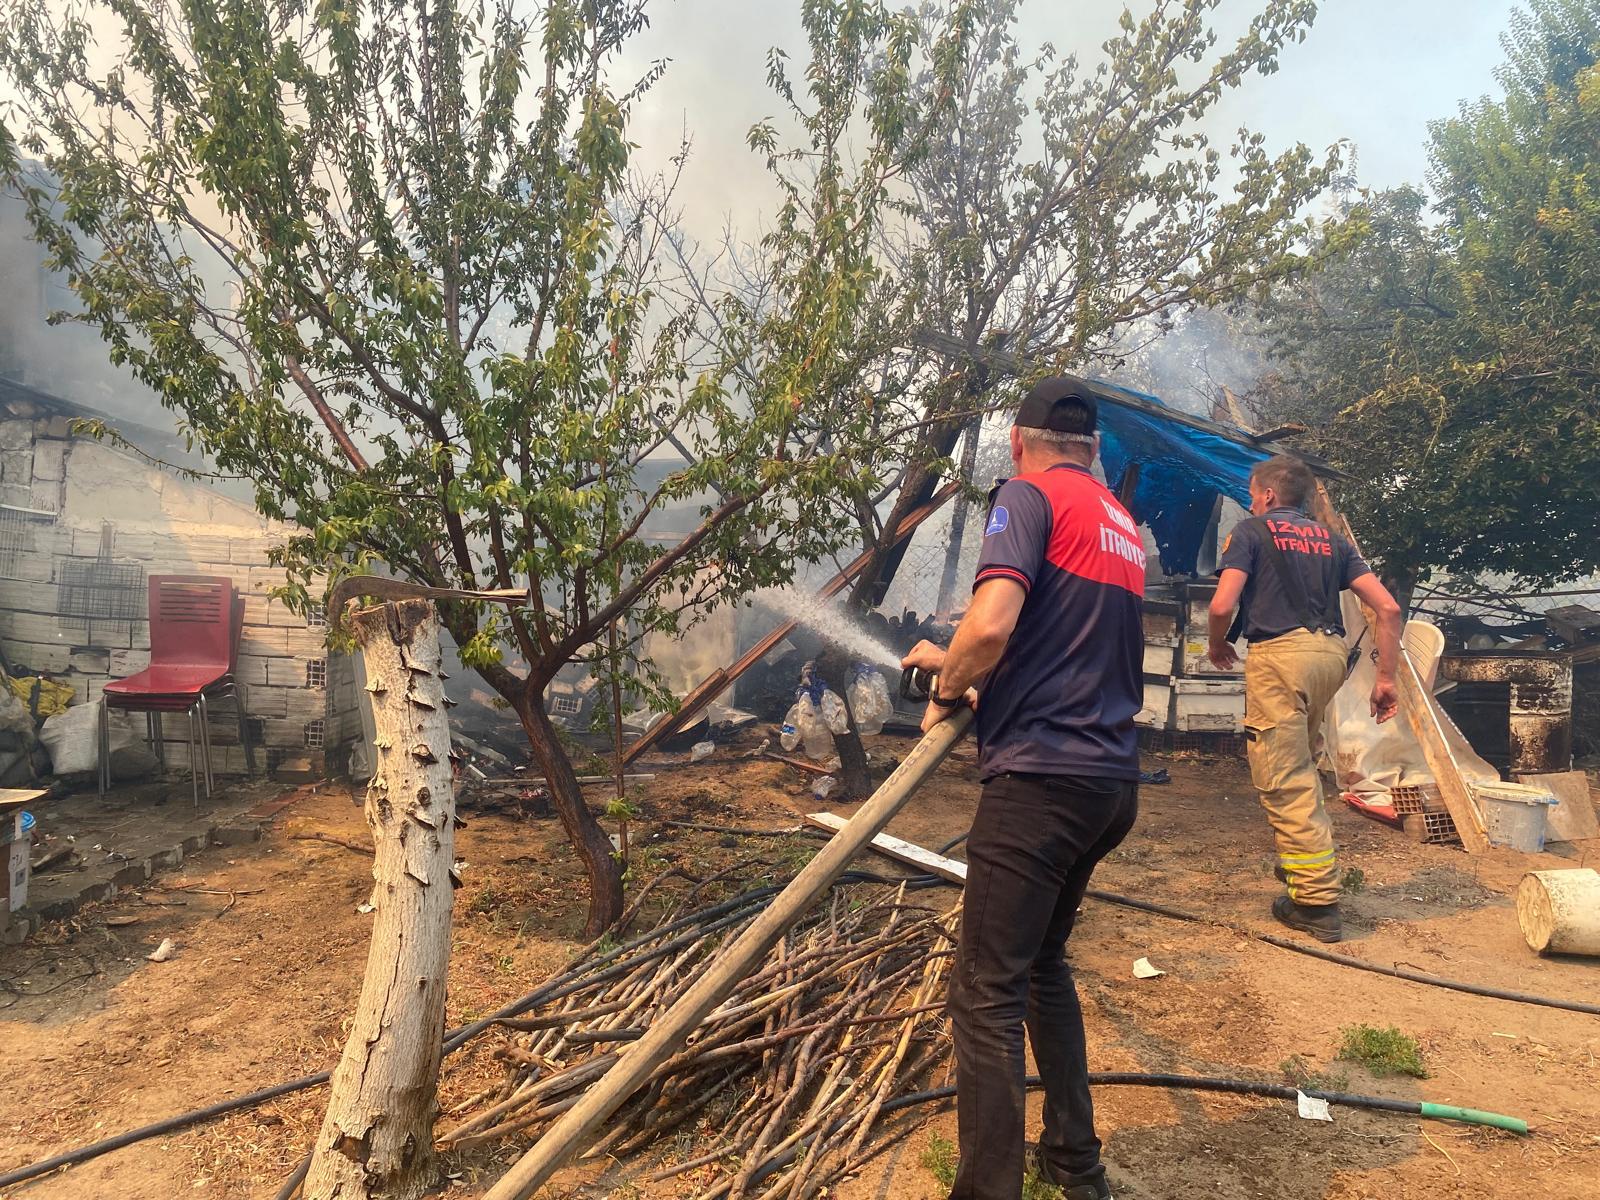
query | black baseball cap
(1061,403)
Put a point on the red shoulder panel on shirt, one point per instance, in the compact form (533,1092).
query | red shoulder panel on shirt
(1093,536)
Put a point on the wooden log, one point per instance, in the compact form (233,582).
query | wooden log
(668,1032)
(377,1137)
(1559,911)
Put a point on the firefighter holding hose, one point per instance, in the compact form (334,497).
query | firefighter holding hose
(1053,643)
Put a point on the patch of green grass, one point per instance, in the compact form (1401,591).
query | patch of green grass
(1353,880)
(1382,1051)
(505,964)
(1302,1072)
(486,899)
(940,1159)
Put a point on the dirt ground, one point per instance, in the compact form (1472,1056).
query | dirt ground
(269,958)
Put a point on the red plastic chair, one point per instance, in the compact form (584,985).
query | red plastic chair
(195,627)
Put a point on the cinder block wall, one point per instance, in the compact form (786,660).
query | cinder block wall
(74,498)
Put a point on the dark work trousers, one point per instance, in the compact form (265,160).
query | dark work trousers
(1034,843)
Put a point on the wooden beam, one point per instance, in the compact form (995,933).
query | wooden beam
(1417,705)
(708,688)
(900,850)
(1279,432)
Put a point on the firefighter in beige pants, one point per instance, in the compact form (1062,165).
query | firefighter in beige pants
(1285,571)
(1288,684)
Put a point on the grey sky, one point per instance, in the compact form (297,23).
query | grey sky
(1372,71)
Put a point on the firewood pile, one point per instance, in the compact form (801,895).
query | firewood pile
(782,1091)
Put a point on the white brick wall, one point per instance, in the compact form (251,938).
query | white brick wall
(168,526)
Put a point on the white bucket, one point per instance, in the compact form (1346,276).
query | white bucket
(1559,911)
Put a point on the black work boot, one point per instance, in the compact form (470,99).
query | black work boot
(1076,1187)
(1321,921)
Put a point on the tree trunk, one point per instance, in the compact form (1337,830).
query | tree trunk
(377,1138)
(583,831)
(854,775)
(958,521)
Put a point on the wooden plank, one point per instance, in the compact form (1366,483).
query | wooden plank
(707,690)
(900,850)
(1279,432)
(17,797)
(1573,820)
(1417,706)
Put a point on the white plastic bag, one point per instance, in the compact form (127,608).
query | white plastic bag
(869,700)
(814,732)
(833,713)
(789,735)
(72,739)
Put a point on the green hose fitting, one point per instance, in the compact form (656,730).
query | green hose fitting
(1449,1112)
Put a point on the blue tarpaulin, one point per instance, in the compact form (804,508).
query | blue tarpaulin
(1182,469)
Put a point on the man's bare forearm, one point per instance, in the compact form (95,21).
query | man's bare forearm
(1217,625)
(1387,636)
(972,655)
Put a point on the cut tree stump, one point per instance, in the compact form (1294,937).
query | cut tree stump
(377,1138)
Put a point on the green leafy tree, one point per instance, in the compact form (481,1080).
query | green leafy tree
(389,262)
(1449,364)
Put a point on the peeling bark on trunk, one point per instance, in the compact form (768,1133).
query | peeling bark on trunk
(854,774)
(377,1138)
(583,831)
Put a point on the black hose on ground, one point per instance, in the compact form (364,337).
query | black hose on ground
(1346,960)
(1193,1083)
(729,912)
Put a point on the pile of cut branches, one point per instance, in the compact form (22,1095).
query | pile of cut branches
(779,1092)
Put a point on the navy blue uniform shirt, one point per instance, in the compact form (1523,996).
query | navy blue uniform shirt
(1321,558)
(1062,698)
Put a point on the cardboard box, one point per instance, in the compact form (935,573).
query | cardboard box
(1208,705)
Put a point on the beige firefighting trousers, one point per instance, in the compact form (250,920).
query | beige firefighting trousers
(1288,684)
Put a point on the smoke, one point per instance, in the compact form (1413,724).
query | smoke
(1189,364)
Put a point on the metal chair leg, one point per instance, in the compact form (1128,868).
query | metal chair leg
(205,745)
(194,760)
